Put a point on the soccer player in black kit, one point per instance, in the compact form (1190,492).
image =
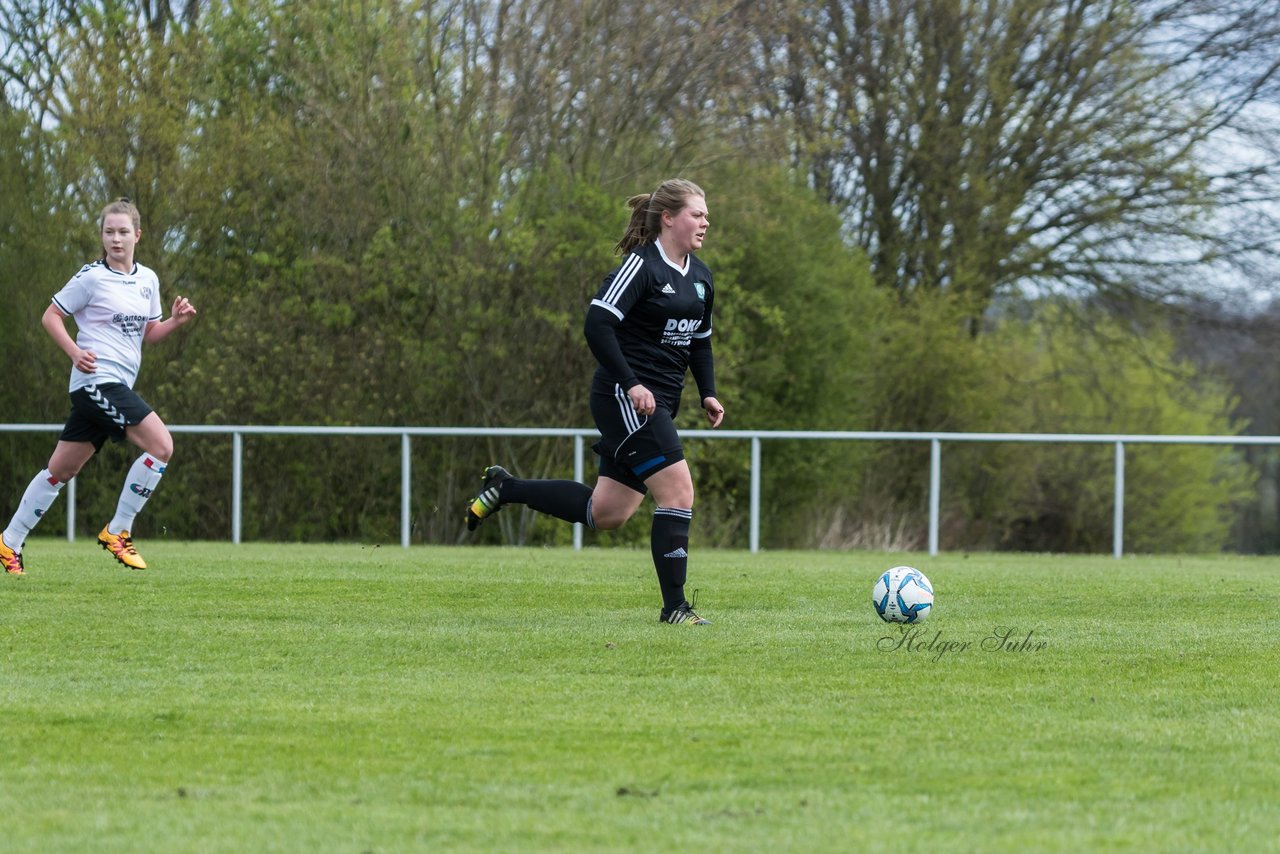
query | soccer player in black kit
(649,323)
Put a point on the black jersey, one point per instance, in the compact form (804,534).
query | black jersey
(659,315)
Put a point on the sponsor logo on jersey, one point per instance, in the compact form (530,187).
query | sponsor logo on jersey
(667,289)
(130,324)
(679,331)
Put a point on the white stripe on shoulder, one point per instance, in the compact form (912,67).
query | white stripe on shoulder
(630,267)
(609,308)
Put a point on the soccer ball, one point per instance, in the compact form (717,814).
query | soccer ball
(902,595)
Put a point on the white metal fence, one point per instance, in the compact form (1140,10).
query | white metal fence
(755,437)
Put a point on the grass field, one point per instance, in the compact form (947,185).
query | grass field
(346,698)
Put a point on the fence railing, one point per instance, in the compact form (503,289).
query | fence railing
(755,437)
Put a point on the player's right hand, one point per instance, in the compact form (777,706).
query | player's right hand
(642,399)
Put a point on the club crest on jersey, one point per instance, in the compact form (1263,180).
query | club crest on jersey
(145,290)
(701,289)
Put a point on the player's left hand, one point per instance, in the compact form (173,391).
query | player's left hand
(715,412)
(183,310)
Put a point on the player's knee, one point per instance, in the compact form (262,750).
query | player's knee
(610,519)
(678,495)
(162,448)
(63,473)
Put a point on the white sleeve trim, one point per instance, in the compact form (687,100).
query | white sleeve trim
(612,309)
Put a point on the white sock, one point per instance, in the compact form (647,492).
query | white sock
(39,497)
(144,476)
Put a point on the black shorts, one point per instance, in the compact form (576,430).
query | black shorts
(633,447)
(101,412)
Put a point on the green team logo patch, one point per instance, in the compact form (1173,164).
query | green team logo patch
(701,289)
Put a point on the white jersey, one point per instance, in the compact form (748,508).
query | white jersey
(111,310)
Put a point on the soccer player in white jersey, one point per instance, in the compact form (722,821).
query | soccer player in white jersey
(649,323)
(116,305)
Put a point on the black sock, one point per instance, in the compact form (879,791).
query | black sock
(564,499)
(670,542)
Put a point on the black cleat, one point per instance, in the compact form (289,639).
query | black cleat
(683,613)
(487,502)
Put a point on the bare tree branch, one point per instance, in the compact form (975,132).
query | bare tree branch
(979,147)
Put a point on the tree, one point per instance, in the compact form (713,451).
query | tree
(1045,375)
(791,333)
(1239,344)
(985,146)
(395,212)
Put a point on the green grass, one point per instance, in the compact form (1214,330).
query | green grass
(347,698)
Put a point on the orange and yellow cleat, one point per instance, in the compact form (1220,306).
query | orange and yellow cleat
(11,560)
(121,546)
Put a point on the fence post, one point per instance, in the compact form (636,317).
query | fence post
(1117,535)
(755,495)
(71,510)
(237,451)
(579,470)
(405,490)
(935,493)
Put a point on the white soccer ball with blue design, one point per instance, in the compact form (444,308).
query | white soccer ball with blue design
(902,595)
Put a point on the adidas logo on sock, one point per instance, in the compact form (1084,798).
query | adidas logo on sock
(680,552)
